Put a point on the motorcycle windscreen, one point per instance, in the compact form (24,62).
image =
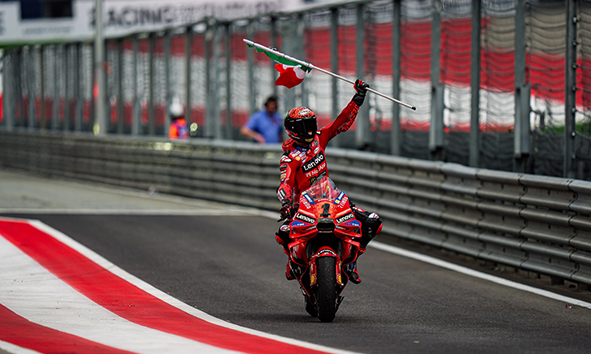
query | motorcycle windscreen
(323,188)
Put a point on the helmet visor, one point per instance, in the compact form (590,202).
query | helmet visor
(306,127)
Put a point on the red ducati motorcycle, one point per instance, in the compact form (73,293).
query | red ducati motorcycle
(323,244)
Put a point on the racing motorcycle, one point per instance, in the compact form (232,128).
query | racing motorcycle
(323,246)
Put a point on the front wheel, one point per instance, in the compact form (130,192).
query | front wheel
(327,294)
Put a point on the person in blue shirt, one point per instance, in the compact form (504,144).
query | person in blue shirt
(265,126)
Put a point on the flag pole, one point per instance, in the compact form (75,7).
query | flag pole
(311,66)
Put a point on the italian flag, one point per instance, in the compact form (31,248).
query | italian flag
(289,76)
(291,73)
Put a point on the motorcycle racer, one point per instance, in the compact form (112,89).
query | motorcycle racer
(304,160)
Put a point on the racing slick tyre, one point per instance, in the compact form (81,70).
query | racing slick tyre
(327,295)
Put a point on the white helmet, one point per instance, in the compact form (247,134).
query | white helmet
(176,109)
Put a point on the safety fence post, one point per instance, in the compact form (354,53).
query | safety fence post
(301,53)
(41,88)
(570,91)
(77,87)
(436,138)
(135,125)
(100,127)
(395,135)
(20,79)
(8,97)
(289,42)
(216,81)
(120,62)
(228,82)
(362,132)
(521,148)
(167,81)
(334,67)
(188,43)
(56,98)
(250,59)
(150,105)
(208,100)
(30,71)
(273,30)
(474,153)
(66,72)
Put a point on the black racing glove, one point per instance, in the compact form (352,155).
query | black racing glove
(285,210)
(361,88)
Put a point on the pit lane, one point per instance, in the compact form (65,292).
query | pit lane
(227,264)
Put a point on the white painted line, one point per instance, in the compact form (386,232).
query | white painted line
(474,273)
(36,294)
(11,348)
(171,212)
(464,270)
(169,299)
(230,210)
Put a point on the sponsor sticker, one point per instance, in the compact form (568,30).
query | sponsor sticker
(338,200)
(305,218)
(353,223)
(309,199)
(297,223)
(347,217)
(315,161)
(306,203)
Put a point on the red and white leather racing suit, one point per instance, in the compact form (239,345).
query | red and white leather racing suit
(299,166)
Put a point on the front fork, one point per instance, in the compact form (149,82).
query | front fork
(306,271)
(326,252)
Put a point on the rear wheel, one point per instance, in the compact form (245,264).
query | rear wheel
(327,294)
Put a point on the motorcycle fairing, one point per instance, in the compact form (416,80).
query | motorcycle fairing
(323,226)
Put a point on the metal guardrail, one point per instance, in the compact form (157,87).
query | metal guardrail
(535,223)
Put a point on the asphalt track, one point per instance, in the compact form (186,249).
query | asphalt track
(229,266)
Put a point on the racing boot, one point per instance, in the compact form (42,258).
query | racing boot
(351,271)
(371,225)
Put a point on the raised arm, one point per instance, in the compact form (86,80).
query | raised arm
(347,116)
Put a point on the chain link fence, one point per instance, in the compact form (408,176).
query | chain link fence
(531,114)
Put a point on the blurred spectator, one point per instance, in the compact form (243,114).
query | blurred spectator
(178,127)
(266,125)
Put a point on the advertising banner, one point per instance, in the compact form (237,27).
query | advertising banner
(122,17)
